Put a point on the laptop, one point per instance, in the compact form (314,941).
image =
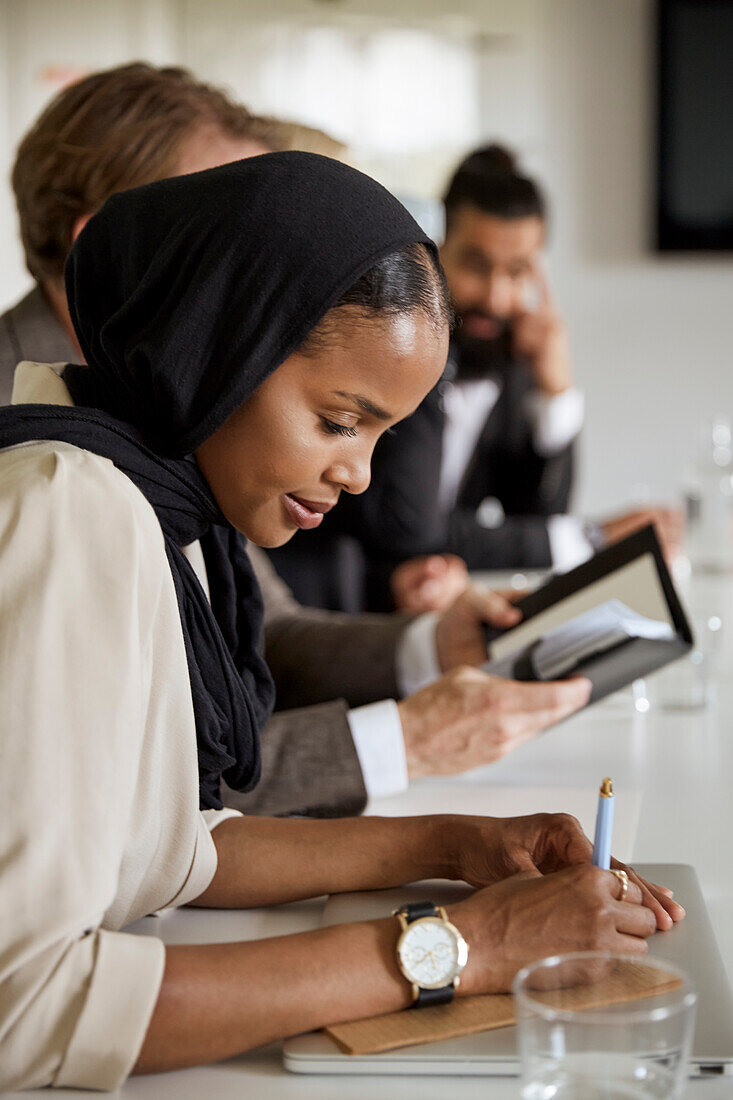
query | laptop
(690,945)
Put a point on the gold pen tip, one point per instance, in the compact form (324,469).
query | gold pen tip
(607,788)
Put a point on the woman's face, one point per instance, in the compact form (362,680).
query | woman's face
(281,460)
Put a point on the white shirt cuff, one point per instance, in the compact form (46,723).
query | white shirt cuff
(568,545)
(556,420)
(380,746)
(417,659)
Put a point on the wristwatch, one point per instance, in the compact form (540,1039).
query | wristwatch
(431,953)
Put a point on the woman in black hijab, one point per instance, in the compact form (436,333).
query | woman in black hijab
(250,332)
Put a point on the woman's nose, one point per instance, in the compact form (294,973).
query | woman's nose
(354,475)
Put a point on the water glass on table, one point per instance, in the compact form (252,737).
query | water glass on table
(634,1049)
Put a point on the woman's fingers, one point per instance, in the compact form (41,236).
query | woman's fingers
(663,890)
(632,896)
(630,945)
(659,901)
(634,920)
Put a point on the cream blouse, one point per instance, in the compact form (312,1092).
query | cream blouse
(98,772)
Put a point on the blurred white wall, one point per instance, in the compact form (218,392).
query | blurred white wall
(567,82)
(43,44)
(652,338)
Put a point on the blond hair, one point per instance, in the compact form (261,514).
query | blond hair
(307,139)
(108,132)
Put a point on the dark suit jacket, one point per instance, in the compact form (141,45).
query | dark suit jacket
(397,517)
(322,663)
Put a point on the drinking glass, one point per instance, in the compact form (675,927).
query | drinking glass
(631,1049)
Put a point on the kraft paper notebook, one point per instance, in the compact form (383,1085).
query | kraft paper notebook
(468,1015)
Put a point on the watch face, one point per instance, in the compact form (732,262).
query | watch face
(430,952)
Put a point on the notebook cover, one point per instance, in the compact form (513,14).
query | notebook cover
(468,1015)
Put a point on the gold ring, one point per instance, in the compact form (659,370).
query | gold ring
(624,880)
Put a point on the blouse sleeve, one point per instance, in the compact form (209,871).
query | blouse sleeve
(77,602)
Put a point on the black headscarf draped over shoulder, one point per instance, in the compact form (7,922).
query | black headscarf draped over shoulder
(185,295)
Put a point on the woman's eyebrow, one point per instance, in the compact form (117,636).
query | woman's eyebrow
(365,405)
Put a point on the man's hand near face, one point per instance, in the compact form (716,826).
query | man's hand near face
(540,336)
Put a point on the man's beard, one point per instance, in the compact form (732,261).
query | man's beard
(477,357)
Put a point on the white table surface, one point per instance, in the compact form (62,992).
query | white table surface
(682,763)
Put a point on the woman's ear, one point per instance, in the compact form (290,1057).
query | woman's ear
(78,226)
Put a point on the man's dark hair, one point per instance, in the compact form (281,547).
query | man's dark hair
(489,180)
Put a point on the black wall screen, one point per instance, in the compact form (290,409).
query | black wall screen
(695,125)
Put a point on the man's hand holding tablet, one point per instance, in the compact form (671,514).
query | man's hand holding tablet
(468,719)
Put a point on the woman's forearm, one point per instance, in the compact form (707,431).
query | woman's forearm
(265,861)
(219,1000)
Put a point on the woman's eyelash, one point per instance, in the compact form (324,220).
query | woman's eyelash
(338,429)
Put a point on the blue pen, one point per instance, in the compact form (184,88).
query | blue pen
(604,827)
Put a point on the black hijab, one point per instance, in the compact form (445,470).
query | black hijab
(185,295)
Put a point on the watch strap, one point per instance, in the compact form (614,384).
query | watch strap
(442,996)
(416,910)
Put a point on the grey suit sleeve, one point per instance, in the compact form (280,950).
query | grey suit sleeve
(309,767)
(316,656)
(10,356)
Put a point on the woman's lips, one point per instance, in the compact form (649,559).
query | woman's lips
(305,514)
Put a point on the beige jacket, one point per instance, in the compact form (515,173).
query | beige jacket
(98,769)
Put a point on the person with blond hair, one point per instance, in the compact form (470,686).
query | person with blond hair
(110,131)
(308,139)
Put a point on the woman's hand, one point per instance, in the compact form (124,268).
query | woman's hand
(488,850)
(657,898)
(531,916)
